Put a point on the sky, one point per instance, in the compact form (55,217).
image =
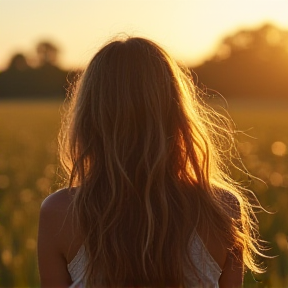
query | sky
(190,30)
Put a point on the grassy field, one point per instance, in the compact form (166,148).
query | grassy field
(28,139)
(265,155)
(28,173)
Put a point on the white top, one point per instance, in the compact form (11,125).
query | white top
(209,271)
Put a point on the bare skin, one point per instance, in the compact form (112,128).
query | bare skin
(59,242)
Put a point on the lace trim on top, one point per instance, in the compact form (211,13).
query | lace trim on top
(208,270)
(77,265)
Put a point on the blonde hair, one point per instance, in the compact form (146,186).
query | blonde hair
(149,160)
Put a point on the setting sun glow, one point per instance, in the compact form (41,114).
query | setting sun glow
(190,30)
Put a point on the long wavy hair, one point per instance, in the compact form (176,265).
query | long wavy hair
(150,162)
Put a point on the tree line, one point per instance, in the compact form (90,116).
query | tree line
(250,63)
(44,78)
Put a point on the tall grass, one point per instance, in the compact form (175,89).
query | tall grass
(28,173)
(28,146)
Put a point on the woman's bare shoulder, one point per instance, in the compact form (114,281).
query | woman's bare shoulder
(58,201)
(55,213)
(56,221)
(57,238)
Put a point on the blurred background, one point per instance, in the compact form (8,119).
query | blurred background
(236,48)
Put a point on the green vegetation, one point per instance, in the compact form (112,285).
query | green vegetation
(28,173)
(265,155)
(251,63)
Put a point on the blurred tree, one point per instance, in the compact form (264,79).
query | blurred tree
(257,41)
(18,62)
(47,79)
(16,80)
(47,53)
(250,63)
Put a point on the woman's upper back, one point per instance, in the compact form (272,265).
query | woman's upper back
(208,270)
(58,230)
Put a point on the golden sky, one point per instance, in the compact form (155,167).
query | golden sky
(189,29)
